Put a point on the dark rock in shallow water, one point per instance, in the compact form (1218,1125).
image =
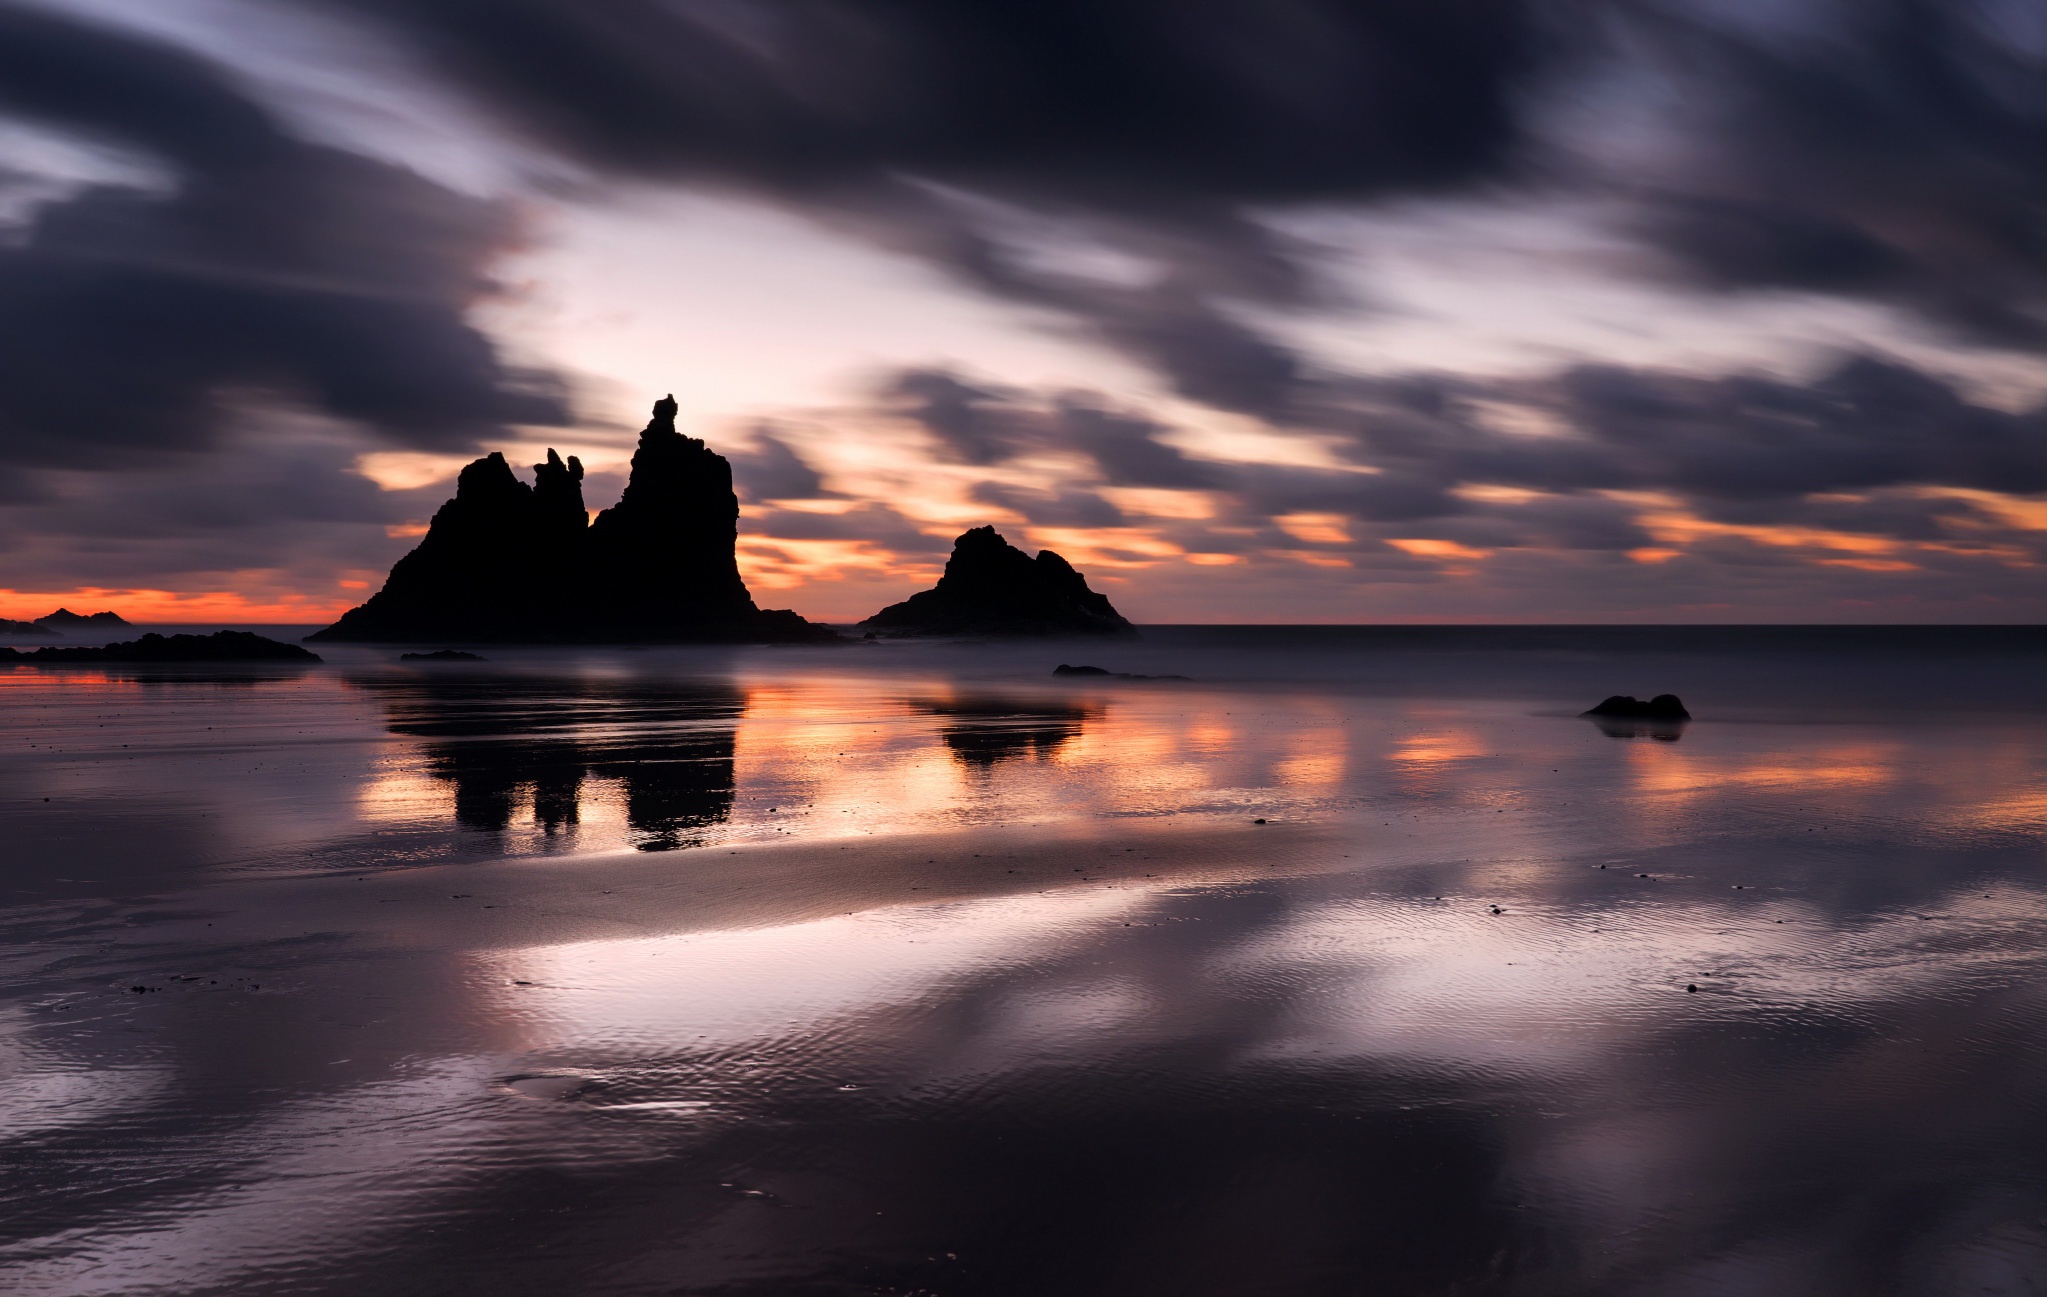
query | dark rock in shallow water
(1663,707)
(441,655)
(221,646)
(991,587)
(1064,670)
(504,562)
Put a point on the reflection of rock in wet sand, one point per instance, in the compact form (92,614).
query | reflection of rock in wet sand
(985,731)
(503,742)
(1636,727)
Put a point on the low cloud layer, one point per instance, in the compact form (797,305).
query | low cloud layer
(1603,486)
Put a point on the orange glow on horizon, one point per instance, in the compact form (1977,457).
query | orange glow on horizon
(779,563)
(171,607)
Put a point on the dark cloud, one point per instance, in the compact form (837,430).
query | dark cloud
(869,521)
(129,316)
(1871,447)
(958,131)
(1069,507)
(1869,424)
(281,499)
(968,424)
(1888,149)
(1128,448)
(771,469)
(1116,103)
(987,424)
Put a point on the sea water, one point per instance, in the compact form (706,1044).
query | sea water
(1356,961)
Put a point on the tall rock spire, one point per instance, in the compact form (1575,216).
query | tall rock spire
(662,560)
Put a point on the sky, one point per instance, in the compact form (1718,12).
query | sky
(1256,310)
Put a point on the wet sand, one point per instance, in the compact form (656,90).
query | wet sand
(778,974)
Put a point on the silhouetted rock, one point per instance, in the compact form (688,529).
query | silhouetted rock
(1663,707)
(441,655)
(661,561)
(1064,670)
(64,621)
(24,629)
(221,646)
(496,564)
(504,562)
(991,587)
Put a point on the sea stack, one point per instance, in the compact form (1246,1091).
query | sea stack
(991,587)
(1663,707)
(504,562)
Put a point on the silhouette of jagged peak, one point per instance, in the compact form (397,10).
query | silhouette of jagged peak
(990,587)
(663,559)
(558,492)
(505,562)
(667,466)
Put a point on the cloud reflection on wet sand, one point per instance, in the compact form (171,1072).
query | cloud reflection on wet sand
(976,986)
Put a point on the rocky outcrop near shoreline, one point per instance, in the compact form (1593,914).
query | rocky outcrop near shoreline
(505,562)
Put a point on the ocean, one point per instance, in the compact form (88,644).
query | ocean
(1352,961)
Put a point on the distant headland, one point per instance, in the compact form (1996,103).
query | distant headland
(221,646)
(61,623)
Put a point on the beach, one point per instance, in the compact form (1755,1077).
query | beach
(1354,961)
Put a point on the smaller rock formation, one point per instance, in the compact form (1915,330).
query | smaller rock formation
(221,646)
(441,655)
(64,622)
(1064,670)
(1663,707)
(24,630)
(991,587)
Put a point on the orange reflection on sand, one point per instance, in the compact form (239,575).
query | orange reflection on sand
(1669,770)
(70,680)
(1320,763)
(394,791)
(1436,749)
(2025,811)
(1207,737)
